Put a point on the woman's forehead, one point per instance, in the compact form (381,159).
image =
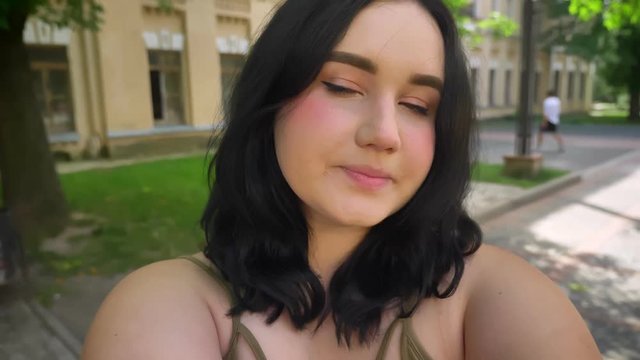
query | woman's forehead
(401,31)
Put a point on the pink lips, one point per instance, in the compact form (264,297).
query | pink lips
(367,177)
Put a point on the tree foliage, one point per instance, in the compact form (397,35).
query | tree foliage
(83,14)
(496,24)
(607,32)
(616,14)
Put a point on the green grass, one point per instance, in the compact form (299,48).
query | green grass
(606,117)
(603,117)
(144,213)
(492,173)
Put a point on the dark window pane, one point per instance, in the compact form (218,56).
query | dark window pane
(570,86)
(173,85)
(156,94)
(49,54)
(153,58)
(61,119)
(507,87)
(59,82)
(536,84)
(492,79)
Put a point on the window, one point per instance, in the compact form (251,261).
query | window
(470,9)
(492,81)
(474,81)
(536,85)
(583,84)
(507,87)
(166,87)
(230,65)
(495,5)
(51,85)
(511,9)
(556,81)
(570,86)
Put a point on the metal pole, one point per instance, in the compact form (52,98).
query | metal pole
(523,139)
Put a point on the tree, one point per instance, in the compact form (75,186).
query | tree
(615,14)
(620,65)
(30,185)
(607,33)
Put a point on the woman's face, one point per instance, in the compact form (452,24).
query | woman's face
(359,141)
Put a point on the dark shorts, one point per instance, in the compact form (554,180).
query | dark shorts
(548,127)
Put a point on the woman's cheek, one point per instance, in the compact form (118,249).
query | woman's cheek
(419,147)
(318,114)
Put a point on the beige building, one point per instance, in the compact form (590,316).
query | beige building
(148,82)
(495,69)
(152,81)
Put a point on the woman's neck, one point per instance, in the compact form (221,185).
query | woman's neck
(329,245)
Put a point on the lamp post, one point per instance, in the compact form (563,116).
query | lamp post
(523,163)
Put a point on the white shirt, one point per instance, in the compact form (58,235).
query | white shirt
(551,109)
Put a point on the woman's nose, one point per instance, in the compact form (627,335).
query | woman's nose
(379,128)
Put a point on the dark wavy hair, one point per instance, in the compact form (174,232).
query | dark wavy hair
(256,233)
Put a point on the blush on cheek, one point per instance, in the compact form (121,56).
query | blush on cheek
(420,147)
(314,114)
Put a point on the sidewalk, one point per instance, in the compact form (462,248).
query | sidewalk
(23,334)
(28,331)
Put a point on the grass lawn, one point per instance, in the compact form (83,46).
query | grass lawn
(492,173)
(604,117)
(149,212)
(143,213)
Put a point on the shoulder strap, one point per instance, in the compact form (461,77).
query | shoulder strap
(238,329)
(251,340)
(382,351)
(215,274)
(410,347)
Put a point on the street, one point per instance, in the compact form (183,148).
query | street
(587,239)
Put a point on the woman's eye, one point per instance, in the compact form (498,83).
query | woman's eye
(337,89)
(420,110)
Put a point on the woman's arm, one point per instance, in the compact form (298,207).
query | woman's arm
(154,313)
(516,312)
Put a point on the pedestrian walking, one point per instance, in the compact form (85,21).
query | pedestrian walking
(551,109)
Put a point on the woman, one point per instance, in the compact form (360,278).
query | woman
(335,229)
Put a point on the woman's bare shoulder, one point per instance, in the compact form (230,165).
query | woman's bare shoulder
(164,310)
(514,311)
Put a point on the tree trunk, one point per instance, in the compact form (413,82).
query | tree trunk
(634,105)
(30,184)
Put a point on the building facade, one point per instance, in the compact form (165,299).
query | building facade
(152,81)
(149,81)
(496,62)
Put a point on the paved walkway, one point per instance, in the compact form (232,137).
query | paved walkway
(29,332)
(24,335)
(587,238)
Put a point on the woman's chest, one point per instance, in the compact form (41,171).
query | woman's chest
(435,330)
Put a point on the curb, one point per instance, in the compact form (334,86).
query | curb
(528,196)
(549,188)
(57,328)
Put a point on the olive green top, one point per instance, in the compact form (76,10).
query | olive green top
(410,348)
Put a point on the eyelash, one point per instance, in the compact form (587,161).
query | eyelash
(337,89)
(417,109)
(341,90)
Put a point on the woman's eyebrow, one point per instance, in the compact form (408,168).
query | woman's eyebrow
(426,80)
(369,66)
(358,61)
